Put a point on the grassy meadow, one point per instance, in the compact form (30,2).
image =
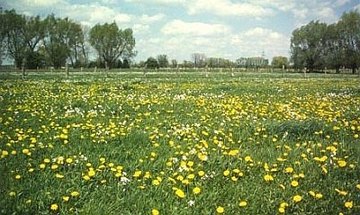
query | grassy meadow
(166,143)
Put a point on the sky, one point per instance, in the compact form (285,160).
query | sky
(217,28)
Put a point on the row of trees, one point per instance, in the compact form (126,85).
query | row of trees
(33,42)
(200,60)
(317,46)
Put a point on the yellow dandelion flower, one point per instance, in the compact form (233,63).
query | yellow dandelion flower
(233,152)
(202,157)
(156,182)
(202,173)
(297,198)
(349,205)
(341,192)
(312,193)
(318,196)
(65,198)
(284,204)
(281,210)
(268,177)
(243,203)
(54,207)
(69,160)
(86,177)
(226,173)
(17,177)
(341,163)
(289,170)
(196,190)
(358,186)
(57,175)
(4,153)
(294,183)
(42,166)
(91,173)
(26,151)
(180,193)
(54,166)
(155,212)
(220,210)
(248,159)
(74,194)
(12,193)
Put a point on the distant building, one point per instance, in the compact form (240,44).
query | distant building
(252,62)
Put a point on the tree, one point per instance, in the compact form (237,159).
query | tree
(279,62)
(307,46)
(174,63)
(151,63)
(349,27)
(112,43)
(13,30)
(198,59)
(34,34)
(61,36)
(163,61)
(334,50)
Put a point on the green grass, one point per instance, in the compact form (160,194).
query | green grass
(126,142)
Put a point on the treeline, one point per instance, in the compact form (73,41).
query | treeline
(32,42)
(318,46)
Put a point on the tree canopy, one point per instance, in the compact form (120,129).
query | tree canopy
(112,43)
(318,45)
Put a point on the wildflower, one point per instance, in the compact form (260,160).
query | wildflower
(289,170)
(180,193)
(74,194)
(226,172)
(268,177)
(202,157)
(202,173)
(12,193)
(42,166)
(17,177)
(233,152)
(341,163)
(54,207)
(69,160)
(318,196)
(155,212)
(341,192)
(220,210)
(358,186)
(297,198)
(57,175)
(91,173)
(243,203)
(349,205)
(248,159)
(65,198)
(156,182)
(196,190)
(294,183)
(281,210)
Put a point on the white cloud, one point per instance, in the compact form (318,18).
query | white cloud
(177,27)
(161,2)
(42,3)
(227,8)
(151,19)
(341,2)
(327,15)
(94,14)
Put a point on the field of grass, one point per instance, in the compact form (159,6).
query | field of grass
(179,144)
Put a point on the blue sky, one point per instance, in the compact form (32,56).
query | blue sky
(178,28)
